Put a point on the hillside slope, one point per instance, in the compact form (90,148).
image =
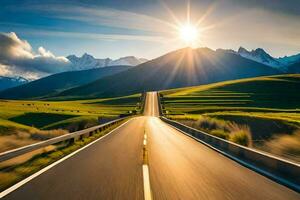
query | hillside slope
(181,68)
(59,82)
(294,68)
(9,82)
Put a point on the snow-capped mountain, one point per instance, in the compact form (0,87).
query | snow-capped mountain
(9,82)
(259,55)
(87,61)
(129,60)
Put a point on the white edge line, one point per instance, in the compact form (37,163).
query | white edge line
(24,181)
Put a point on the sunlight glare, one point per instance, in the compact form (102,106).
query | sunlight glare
(189,33)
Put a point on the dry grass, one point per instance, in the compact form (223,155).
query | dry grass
(21,138)
(27,156)
(47,134)
(227,130)
(287,146)
(240,134)
(12,142)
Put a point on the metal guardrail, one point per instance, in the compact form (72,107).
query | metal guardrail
(160,109)
(143,100)
(69,136)
(280,170)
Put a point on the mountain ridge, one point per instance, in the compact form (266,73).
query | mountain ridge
(87,61)
(261,56)
(57,82)
(197,66)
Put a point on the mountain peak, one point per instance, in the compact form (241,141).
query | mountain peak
(242,50)
(226,51)
(86,55)
(261,51)
(127,60)
(259,55)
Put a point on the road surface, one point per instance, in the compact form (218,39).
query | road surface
(179,168)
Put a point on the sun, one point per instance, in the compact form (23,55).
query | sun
(189,33)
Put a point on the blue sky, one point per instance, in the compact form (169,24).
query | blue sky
(145,28)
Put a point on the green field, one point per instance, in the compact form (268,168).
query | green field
(269,107)
(25,122)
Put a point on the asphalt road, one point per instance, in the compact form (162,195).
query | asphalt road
(180,168)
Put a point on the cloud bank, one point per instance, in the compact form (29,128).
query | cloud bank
(18,59)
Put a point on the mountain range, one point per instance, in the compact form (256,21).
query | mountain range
(87,61)
(84,62)
(55,83)
(261,56)
(180,68)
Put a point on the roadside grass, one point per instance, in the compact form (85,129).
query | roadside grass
(268,106)
(8,127)
(288,145)
(74,124)
(13,173)
(227,130)
(40,120)
(263,125)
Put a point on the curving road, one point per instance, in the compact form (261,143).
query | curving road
(179,167)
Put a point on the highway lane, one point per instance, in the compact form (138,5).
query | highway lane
(109,169)
(151,105)
(180,168)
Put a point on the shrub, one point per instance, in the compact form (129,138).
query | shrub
(241,137)
(240,134)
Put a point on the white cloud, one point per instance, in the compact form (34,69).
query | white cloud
(4,70)
(43,52)
(18,59)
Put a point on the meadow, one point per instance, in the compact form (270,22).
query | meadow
(26,122)
(262,113)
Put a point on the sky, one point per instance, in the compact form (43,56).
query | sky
(49,30)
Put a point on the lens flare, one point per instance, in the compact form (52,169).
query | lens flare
(189,33)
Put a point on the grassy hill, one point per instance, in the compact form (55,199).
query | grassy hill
(184,67)
(268,106)
(294,68)
(55,83)
(24,122)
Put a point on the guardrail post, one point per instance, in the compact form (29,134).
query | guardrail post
(73,140)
